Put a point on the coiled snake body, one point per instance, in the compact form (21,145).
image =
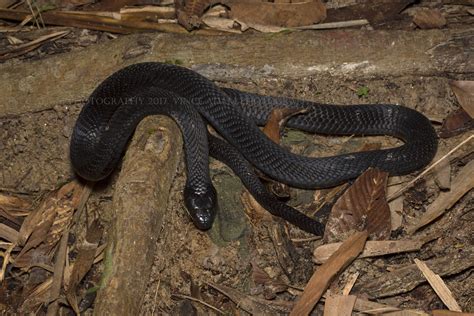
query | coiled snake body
(117,105)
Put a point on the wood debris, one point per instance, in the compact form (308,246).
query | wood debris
(373,248)
(340,305)
(407,278)
(24,48)
(460,186)
(439,286)
(323,276)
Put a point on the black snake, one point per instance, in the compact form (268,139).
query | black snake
(117,105)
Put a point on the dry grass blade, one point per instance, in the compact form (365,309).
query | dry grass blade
(361,207)
(460,186)
(8,202)
(43,228)
(37,297)
(322,277)
(27,47)
(9,234)
(57,283)
(438,286)
(84,261)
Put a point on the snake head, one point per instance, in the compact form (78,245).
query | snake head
(201,205)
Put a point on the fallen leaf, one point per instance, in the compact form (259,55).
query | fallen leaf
(189,12)
(456,123)
(273,129)
(43,228)
(8,203)
(362,207)
(429,19)
(464,91)
(277,120)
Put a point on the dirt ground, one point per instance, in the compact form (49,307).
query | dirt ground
(34,160)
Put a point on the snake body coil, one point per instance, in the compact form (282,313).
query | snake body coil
(112,112)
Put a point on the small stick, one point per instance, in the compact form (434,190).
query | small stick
(199,301)
(333,25)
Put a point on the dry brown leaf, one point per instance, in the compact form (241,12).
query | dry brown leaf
(278,14)
(323,276)
(277,120)
(456,123)
(189,12)
(37,297)
(10,203)
(38,235)
(429,19)
(43,228)
(362,207)
(84,261)
(273,129)
(464,91)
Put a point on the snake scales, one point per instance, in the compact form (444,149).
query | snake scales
(117,105)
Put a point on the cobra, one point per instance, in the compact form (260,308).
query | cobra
(120,102)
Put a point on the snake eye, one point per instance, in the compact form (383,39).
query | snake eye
(201,205)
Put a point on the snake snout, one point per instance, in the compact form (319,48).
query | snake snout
(202,206)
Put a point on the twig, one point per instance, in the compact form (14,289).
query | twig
(333,25)
(198,301)
(397,193)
